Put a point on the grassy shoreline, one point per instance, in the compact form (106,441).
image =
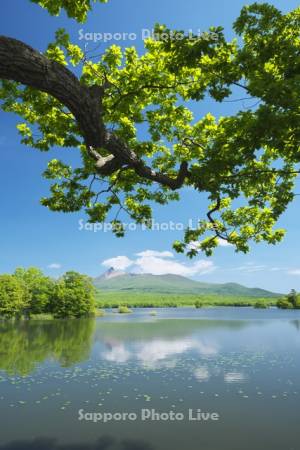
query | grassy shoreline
(123,301)
(148,300)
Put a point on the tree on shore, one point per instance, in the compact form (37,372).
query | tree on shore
(40,289)
(74,296)
(29,291)
(290,301)
(13,297)
(246,163)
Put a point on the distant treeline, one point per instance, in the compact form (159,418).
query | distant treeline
(29,292)
(290,301)
(111,299)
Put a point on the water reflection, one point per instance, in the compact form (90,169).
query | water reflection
(235,377)
(296,324)
(150,344)
(154,353)
(24,345)
(246,370)
(202,374)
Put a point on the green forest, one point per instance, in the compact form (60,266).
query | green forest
(29,292)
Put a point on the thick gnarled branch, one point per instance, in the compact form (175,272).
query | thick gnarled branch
(21,63)
(121,158)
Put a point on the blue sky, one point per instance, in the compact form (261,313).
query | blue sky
(31,235)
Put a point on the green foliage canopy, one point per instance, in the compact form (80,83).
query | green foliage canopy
(290,301)
(29,291)
(13,296)
(40,289)
(74,296)
(77,9)
(246,163)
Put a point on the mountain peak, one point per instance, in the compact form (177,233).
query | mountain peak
(111,273)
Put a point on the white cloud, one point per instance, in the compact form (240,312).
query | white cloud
(54,266)
(251,267)
(162,266)
(118,263)
(160,263)
(223,243)
(195,245)
(294,272)
(149,253)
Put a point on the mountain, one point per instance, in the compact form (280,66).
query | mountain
(119,281)
(109,274)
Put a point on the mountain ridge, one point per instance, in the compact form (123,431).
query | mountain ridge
(119,281)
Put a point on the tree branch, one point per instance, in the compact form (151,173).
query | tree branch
(218,234)
(21,63)
(126,156)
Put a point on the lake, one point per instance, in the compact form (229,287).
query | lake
(212,379)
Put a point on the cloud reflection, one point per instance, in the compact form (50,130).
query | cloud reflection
(157,352)
(235,377)
(202,374)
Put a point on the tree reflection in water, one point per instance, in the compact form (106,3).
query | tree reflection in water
(25,344)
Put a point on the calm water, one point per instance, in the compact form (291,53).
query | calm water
(239,363)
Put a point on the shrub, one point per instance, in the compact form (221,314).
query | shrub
(198,304)
(297,302)
(260,304)
(291,301)
(283,303)
(124,310)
